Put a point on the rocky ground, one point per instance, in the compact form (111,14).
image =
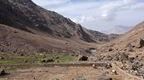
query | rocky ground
(61,73)
(32,35)
(130,62)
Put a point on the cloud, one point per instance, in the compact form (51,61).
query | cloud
(101,15)
(119,29)
(109,10)
(50,2)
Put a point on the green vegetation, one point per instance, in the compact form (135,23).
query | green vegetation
(39,58)
(12,61)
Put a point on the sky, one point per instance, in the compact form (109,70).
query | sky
(107,16)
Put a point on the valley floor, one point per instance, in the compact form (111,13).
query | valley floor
(84,71)
(58,73)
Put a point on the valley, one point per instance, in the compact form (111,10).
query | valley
(39,44)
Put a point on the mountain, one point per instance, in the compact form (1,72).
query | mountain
(19,41)
(131,39)
(40,29)
(25,15)
(101,37)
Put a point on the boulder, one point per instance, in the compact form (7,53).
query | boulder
(2,72)
(108,66)
(83,58)
(141,43)
(91,50)
(114,72)
(130,47)
(94,66)
(1,58)
(110,49)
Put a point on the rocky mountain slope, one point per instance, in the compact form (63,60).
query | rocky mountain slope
(103,37)
(19,41)
(132,40)
(40,29)
(25,15)
(127,50)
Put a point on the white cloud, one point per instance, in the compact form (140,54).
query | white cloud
(50,2)
(101,15)
(110,9)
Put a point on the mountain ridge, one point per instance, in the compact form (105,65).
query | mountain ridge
(29,18)
(130,40)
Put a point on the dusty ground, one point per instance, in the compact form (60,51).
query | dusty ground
(58,73)
(80,72)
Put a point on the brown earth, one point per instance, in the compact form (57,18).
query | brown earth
(54,73)
(27,28)
(80,72)
(131,39)
(18,41)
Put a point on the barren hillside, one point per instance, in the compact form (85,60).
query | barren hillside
(132,39)
(42,30)
(18,41)
(25,15)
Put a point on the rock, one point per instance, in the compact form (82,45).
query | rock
(130,47)
(141,71)
(110,50)
(136,65)
(83,58)
(94,66)
(122,57)
(50,60)
(104,78)
(92,50)
(1,58)
(57,57)
(21,54)
(141,43)
(2,72)
(114,72)
(131,59)
(108,66)
(108,58)
(47,60)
